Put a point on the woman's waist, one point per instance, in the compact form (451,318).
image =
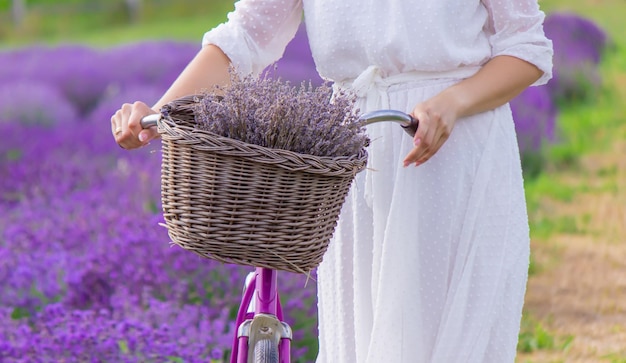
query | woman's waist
(375,78)
(374,88)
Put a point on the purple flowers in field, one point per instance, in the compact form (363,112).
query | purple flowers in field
(30,101)
(578,48)
(535,118)
(86,272)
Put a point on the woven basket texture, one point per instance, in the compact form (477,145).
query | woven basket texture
(246,204)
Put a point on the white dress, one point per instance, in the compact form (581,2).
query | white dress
(428,264)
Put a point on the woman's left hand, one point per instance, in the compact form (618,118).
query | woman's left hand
(495,84)
(436,118)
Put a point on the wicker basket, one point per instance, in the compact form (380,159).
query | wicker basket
(245,204)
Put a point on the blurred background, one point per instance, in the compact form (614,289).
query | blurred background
(86,273)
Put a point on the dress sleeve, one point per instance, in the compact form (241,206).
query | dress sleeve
(256,32)
(515,28)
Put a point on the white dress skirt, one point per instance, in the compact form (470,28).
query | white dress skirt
(429,263)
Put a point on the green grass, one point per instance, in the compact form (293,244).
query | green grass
(615,358)
(583,127)
(534,336)
(588,127)
(190,28)
(186,20)
(544,185)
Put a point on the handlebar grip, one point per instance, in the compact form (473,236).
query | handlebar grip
(408,122)
(150,120)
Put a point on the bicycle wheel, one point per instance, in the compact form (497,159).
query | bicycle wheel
(265,351)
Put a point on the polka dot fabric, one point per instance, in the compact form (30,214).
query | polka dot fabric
(257,32)
(428,264)
(432,266)
(347,36)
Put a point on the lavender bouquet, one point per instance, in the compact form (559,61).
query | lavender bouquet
(272,113)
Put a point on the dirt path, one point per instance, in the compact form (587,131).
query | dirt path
(580,288)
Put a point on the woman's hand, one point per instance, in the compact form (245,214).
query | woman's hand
(126,126)
(208,68)
(436,118)
(495,84)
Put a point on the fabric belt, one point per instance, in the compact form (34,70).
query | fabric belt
(373,87)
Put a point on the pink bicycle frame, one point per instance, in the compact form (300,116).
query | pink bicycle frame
(261,292)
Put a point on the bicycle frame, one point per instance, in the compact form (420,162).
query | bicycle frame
(260,313)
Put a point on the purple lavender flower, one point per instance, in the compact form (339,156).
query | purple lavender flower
(575,39)
(535,118)
(77,71)
(32,102)
(158,334)
(115,97)
(155,63)
(88,272)
(271,113)
(578,48)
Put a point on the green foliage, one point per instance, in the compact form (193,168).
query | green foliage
(534,336)
(20,313)
(533,163)
(590,125)
(585,128)
(532,266)
(123,344)
(109,22)
(615,357)
(535,339)
(544,186)
(13,154)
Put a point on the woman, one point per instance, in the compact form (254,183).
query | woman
(428,263)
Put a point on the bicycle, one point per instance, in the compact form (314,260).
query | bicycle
(262,336)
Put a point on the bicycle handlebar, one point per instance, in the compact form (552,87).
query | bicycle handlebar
(150,120)
(406,121)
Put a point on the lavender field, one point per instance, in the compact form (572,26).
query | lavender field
(86,271)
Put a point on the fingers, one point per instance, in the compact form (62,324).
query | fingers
(433,131)
(148,134)
(126,126)
(118,123)
(421,146)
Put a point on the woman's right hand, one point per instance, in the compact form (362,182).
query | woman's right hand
(126,126)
